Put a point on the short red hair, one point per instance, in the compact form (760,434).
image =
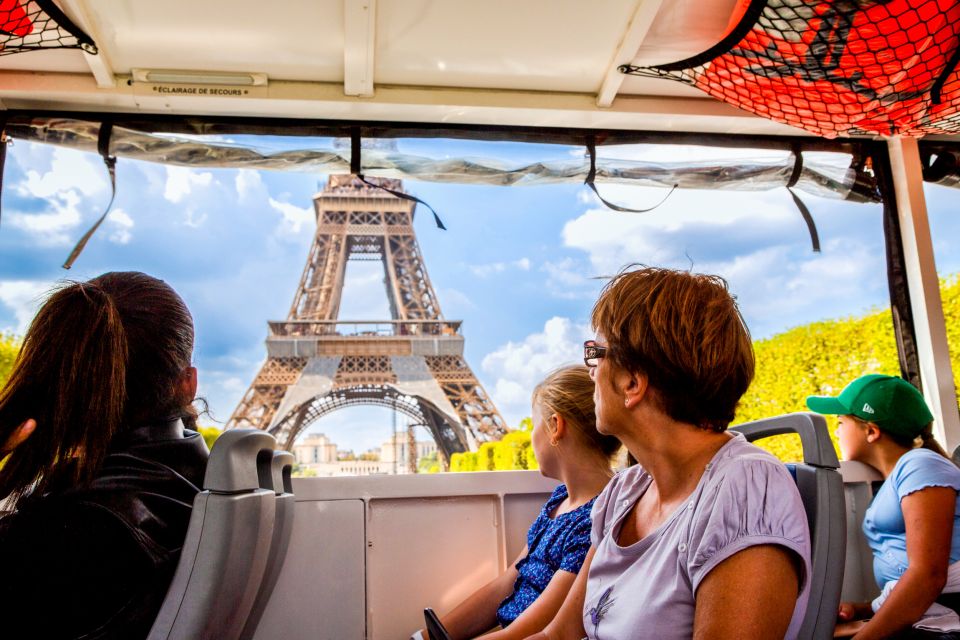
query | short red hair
(685,333)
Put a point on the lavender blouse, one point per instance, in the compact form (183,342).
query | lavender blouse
(745,497)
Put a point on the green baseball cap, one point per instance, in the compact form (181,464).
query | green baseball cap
(893,404)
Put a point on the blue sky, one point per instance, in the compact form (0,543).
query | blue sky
(519,265)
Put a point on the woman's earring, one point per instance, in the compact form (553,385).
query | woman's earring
(554,443)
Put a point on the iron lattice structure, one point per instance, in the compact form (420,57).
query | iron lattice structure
(413,363)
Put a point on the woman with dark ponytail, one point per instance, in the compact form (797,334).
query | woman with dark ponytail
(912,523)
(99,472)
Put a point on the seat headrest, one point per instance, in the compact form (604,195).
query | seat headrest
(818,449)
(281,469)
(241,460)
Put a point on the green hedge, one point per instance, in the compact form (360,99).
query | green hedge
(9,348)
(513,451)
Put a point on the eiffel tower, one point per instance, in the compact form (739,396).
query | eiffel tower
(413,363)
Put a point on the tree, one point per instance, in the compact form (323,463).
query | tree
(299,471)
(9,348)
(512,452)
(429,463)
(210,435)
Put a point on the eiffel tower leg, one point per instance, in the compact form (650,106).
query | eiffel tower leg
(467,396)
(321,285)
(448,435)
(415,296)
(260,402)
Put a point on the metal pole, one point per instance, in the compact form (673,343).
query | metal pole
(924,284)
(394,440)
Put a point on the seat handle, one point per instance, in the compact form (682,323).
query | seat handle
(238,460)
(818,448)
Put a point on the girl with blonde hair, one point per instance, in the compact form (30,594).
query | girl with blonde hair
(568,448)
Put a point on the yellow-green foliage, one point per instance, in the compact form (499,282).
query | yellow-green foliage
(821,357)
(210,435)
(466,461)
(511,452)
(9,348)
(302,472)
(429,463)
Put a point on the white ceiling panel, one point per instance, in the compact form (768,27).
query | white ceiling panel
(286,40)
(56,60)
(527,62)
(539,45)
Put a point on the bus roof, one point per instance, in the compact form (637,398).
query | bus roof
(541,63)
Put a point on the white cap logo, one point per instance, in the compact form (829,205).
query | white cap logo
(867,408)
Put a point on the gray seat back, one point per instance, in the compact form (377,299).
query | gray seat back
(283,525)
(821,488)
(228,539)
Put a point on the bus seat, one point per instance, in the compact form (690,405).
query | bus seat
(282,467)
(228,541)
(821,489)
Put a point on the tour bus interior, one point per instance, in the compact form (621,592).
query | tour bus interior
(622,95)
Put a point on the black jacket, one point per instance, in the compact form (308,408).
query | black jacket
(95,562)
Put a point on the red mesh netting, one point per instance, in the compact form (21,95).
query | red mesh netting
(836,66)
(31,25)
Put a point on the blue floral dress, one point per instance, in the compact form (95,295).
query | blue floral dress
(554,544)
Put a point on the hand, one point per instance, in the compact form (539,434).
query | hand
(19,435)
(853,611)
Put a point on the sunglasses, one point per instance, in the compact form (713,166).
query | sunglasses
(592,352)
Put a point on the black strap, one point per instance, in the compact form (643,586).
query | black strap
(83,40)
(936,89)
(356,169)
(592,174)
(3,149)
(791,183)
(904,329)
(103,147)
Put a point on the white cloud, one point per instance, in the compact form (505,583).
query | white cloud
(364,293)
(491,268)
(519,366)
(69,170)
(455,298)
(294,217)
(193,220)
(712,221)
(181,182)
(122,224)
(23,297)
(247,182)
(775,293)
(758,243)
(234,385)
(486,270)
(569,279)
(50,227)
(586,196)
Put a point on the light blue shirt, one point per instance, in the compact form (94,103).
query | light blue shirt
(883,524)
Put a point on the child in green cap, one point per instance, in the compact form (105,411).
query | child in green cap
(911,525)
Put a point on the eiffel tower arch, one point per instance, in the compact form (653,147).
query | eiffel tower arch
(412,363)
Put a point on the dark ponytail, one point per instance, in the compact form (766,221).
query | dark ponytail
(929,442)
(70,376)
(100,357)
